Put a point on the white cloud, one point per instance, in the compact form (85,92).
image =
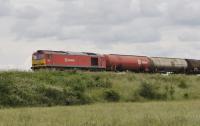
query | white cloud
(146,27)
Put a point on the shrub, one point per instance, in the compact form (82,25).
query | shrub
(98,81)
(74,96)
(183,85)
(135,97)
(50,95)
(186,95)
(6,86)
(54,95)
(14,100)
(169,91)
(111,95)
(150,91)
(6,89)
(103,82)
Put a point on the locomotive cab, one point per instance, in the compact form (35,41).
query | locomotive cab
(38,58)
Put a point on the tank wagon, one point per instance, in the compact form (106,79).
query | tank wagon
(65,60)
(47,59)
(116,62)
(193,66)
(161,64)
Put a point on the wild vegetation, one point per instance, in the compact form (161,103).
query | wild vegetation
(171,113)
(49,88)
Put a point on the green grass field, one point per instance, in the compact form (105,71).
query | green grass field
(174,113)
(51,88)
(98,99)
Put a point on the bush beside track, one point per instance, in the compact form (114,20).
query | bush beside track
(49,88)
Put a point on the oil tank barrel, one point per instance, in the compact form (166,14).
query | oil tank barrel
(193,66)
(127,62)
(169,64)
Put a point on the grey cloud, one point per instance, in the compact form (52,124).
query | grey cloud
(34,30)
(105,21)
(152,8)
(28,12)
(33,23)
(185,12)
(5,8)
(190,35)
(97,12)
(138,31)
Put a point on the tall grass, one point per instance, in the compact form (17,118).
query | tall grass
(176,113)
(49,88)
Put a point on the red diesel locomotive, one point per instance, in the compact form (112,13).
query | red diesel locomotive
(45,59)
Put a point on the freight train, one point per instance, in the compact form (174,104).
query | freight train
(61,60)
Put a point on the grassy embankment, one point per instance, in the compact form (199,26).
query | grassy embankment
(44,88)
(173,113)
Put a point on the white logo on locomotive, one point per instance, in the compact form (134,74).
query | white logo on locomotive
(69,60)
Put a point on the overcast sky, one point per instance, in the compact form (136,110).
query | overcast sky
(141,27)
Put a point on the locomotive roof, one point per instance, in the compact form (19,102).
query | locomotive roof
(69,52)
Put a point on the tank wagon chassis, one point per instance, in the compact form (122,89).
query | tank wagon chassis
(60,60)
